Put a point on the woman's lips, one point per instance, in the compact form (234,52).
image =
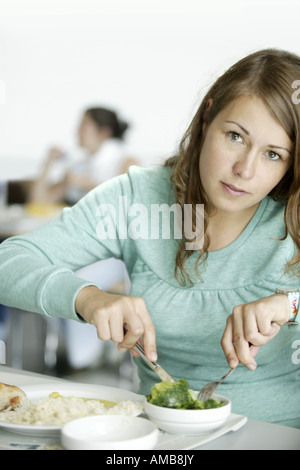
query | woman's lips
(233,190)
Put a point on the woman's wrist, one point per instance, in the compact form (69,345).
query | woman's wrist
(82,298)
(293,296)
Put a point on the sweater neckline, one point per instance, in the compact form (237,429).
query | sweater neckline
(227,250)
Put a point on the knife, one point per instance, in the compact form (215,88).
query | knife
(162,374)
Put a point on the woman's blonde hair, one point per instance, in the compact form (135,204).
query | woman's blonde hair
(268,74)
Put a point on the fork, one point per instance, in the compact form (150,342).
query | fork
(209,389)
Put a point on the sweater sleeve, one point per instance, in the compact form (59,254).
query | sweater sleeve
(37,270)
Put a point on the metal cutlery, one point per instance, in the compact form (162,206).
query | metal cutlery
(162,374)
(209,389)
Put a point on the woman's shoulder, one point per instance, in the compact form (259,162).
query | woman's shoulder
(156,172)
(152,181)
(140,185)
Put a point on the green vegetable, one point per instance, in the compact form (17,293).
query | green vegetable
(208,404)
(178,395)
(171,395)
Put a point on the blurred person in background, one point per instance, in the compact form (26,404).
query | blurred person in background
(100,134)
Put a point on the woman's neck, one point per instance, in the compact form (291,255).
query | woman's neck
(225,227)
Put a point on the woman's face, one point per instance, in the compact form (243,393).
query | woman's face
(90,135)
(245,154)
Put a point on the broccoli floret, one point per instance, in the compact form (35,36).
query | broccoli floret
(197,405)
(178,395)
(171,395)
(206,405)
(213,403)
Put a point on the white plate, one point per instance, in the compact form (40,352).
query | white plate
(36,392)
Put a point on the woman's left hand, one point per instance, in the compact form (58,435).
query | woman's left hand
(256,323)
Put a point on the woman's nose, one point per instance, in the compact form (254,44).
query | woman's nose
(245,166)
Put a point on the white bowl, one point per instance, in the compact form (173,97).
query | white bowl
(107,432)
(189,422)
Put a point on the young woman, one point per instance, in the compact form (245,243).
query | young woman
(198,309)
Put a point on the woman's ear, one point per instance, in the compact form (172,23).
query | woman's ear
(208,106)
(209,103)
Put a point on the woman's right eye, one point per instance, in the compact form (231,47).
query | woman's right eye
(234,136)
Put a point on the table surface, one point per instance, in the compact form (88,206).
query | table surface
(254,435)
(19,219)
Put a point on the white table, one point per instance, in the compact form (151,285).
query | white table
(254,435)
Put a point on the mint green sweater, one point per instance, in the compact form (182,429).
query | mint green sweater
(37,274)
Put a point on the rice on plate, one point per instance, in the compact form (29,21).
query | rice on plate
(57,410)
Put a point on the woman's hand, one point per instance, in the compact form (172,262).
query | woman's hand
(111,313)
(256,323)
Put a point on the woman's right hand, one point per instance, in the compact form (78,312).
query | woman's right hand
(111,314)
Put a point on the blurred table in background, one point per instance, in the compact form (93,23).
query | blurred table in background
(17,219)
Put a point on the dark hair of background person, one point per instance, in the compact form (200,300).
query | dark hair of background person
(106,118)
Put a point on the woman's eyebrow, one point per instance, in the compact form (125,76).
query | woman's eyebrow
(248,133)
(282,148)
(241,127)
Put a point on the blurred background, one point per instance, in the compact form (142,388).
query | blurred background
(150,61)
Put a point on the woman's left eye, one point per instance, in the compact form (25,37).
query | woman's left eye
(273,155)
